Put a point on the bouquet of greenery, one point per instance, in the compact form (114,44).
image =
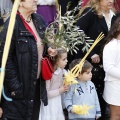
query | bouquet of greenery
(64,33)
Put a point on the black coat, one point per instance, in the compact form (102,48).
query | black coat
(93,25)
(21,72)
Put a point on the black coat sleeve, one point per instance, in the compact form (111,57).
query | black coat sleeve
(85,20)
(84,23)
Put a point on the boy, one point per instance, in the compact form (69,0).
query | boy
(83,93)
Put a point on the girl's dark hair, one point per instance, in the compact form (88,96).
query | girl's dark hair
(87,65)
(114,31)
(58,56)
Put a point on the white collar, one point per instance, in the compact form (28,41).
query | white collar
(110,12)
(56,72)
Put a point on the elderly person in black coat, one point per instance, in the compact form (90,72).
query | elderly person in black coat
(23,83)
(99,15)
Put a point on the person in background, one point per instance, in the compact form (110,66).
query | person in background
(23,83)
(84,92)
(84,2)
(111,64)
(55,88)
(95,18)
(5,6)
(5,9)
(47,9)
(117,5)
(64,3)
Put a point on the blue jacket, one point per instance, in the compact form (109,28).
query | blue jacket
(83,93)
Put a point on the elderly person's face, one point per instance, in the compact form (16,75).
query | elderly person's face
(108,4)
(29,5)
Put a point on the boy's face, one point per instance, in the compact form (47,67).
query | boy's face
(86,75)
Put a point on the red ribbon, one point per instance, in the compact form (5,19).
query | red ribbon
(27,26)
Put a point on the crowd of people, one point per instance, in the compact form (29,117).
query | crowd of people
(29,96)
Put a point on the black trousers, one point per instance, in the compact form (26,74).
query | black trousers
(36,108)
(98,80)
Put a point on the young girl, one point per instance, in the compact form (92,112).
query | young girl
(83,93)
(55,87)
(111,64)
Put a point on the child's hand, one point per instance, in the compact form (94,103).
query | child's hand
(52,52)
(62,89)
(1,112)
(72,111)
(66,87)
(97,117)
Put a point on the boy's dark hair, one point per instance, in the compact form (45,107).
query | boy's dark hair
(85,67)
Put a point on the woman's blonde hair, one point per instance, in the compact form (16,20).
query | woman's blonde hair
(95,4)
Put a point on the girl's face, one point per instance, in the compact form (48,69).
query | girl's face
(62,62)
(29,5)
(106,4)
(86,75)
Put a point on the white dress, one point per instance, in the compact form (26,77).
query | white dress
(54,110)
(111,64)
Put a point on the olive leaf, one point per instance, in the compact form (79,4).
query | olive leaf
(69,35)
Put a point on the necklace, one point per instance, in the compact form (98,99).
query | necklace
(28,21)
